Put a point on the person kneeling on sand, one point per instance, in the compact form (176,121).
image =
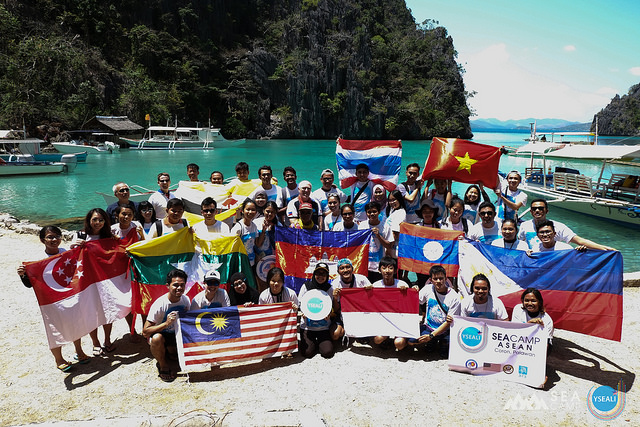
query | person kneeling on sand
(159,329)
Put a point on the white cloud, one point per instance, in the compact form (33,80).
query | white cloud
(635,71)
(569,48)
(506,90)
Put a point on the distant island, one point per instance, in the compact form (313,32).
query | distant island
(524,125)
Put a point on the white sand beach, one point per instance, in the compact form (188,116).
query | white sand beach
(358,386)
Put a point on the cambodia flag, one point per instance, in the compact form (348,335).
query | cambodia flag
(582,291)
(386,312)
(232,334)
(298,252)
(383,158)
(420,248)
(462,161)
(81,289)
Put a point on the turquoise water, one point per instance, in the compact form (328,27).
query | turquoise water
(54,197)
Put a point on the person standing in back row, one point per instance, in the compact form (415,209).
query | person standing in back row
(160,198)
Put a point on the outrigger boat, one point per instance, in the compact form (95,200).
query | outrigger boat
(614,198)
(180,138)
(26,164)
(94,142)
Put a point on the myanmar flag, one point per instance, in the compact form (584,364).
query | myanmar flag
(151,260)
(462,161)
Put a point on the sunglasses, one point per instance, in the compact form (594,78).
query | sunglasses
(208,210)
(238,284)
(537,208)
(123,190)
(487,213)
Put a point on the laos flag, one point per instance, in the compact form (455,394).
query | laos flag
(298,252)
(383,158)
(582,291)
(420,248)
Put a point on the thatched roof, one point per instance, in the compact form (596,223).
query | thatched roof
(117,124)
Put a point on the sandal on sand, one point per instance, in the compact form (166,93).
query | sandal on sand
(165,376)
(64,367)
(83,361)
(98,351)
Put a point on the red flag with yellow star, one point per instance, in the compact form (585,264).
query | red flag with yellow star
(462,161)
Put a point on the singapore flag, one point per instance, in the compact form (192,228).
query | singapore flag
(81,289)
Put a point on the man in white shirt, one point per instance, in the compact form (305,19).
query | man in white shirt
(547,237)
(488,229)
(321,194)
(210,225)
(160,198)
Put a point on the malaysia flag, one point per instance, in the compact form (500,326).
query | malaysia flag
(582,291)
(81,289)
(420,248)
(231,334)
(386,312)
(383,158)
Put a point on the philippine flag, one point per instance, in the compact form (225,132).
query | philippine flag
(420,248)
(386,312)
(582,291)
(383,158)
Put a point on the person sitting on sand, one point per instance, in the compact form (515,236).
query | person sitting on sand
(160,327)
(315,335)
(212,296)
(277,291)
(173,220)
(240,293)
(51,236)
(481,303)
(440,302)
(346,279)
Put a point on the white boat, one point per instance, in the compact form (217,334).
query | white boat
(26,164)
(587,148)
(180,138)
(614,198)
(89,141)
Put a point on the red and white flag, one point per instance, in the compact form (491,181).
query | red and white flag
(81,289)
(231,334)
(386,312)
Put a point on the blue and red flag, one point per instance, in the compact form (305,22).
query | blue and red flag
(582,291)
(384,159)
(420,248)
(298,252)
(230,334)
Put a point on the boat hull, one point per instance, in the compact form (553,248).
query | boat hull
(28,169)
(625,214)
(67,148)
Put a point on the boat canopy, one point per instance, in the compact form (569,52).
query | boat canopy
(597,152)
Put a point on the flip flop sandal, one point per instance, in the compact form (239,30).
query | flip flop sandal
(98,351)
(64,367)
(82,361)
(165,376)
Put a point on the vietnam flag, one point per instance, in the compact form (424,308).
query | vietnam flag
(298,251)
(462,161)
(420,248)
(388,312)
(151,260)
(81,289)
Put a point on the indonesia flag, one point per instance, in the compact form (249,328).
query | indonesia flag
(420,248)
(231,334)
(383,158)
(81,289)
(582,291)
(386,312)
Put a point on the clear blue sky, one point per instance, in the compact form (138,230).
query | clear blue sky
(541,59)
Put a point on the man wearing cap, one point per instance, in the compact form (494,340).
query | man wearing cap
(122,192)
(305,222)
(315,335)
(328,187)
(346,279)
(160,198)
(305,196)
(212,296)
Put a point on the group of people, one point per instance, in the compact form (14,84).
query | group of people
(365,205)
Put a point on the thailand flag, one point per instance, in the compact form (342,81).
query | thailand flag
(420,248)
(298,252)
(383,158)
(582,291)
(231,334)
(81,289)
(386,312)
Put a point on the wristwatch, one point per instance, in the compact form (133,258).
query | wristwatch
(431,336)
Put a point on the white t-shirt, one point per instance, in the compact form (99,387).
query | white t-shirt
(274,194)
(410,207)
(359,281)
(558,246)
(363,198)
(159,202)
(521,315)
(220,299)
(204,231)
(492,309)
(166,229)
(117,231)
(286,295)
(289,194)
(518,244)
(340,227)
(376,250)
(396,218)
(248,234)
(162,307)
(397,283)
(320,196)
(516,197)
(434,316)
(528,233)
(485,235)
(330,221)
(448,225)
